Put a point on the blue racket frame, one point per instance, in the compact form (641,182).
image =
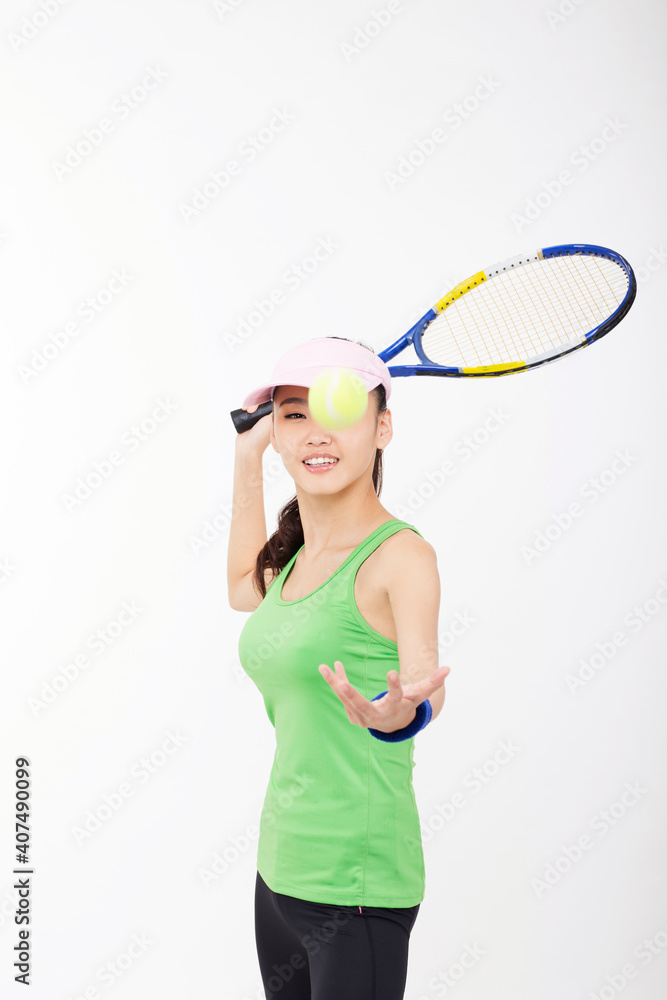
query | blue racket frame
(243,420)
(428,367)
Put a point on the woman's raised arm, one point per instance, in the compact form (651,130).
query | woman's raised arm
(247,531)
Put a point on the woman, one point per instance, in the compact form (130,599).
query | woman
(345,602)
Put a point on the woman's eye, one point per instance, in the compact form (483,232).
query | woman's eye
(288,415)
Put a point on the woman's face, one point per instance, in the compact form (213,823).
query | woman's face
(295,435)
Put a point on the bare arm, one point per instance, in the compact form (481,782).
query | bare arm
(413,585)
(247,532)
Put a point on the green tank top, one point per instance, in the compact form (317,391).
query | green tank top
(339,822)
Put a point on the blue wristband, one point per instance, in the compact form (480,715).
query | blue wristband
(421,719)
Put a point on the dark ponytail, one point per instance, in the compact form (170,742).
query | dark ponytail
(288,537)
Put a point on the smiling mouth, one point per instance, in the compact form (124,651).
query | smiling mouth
(320,466)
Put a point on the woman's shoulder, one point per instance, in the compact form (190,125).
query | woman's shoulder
(402,565)
(406,544)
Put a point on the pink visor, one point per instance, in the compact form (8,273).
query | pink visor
(304,363)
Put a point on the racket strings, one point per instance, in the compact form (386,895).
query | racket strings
(528,311)
(584,304)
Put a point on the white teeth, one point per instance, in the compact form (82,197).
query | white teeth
(320,461)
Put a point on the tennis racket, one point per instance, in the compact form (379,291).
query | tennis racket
(516,315)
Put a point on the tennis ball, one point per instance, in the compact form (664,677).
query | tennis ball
(337,398)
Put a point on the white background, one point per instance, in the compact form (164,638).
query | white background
(359,98)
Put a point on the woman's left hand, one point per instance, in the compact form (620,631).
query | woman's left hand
(398,707)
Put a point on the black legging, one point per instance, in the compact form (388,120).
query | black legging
(327,951)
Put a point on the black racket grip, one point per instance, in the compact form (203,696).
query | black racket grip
(243,420)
